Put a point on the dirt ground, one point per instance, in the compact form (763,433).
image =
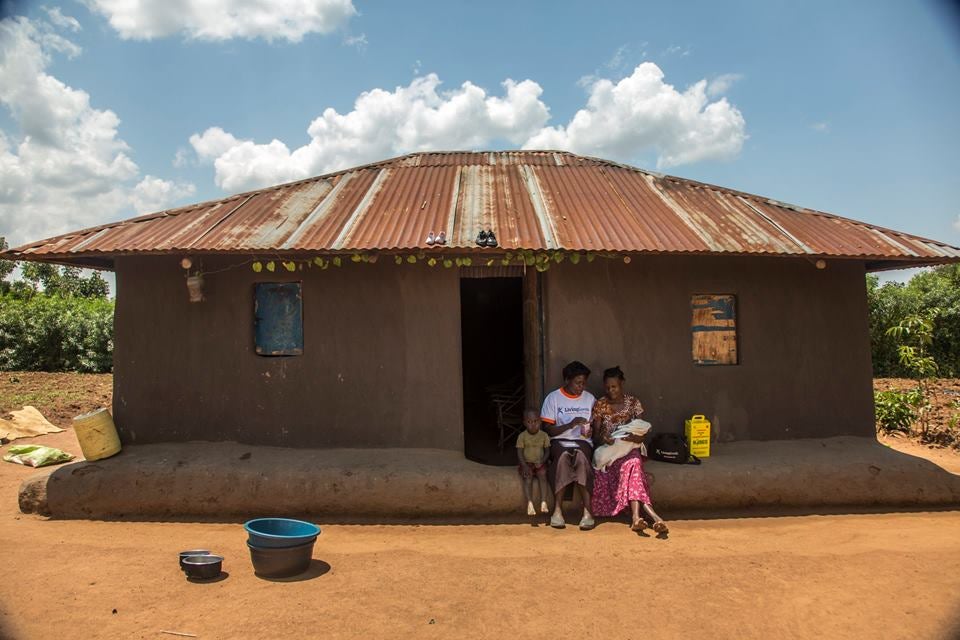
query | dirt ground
(729,575)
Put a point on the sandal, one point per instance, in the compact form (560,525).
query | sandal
(587,522)
(638,525)
(661,527)
(557,522)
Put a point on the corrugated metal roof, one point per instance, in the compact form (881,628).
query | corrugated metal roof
(532,200)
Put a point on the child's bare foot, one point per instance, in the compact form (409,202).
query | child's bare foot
(543,507)
(530,510)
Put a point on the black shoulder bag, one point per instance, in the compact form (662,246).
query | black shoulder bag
(670,447)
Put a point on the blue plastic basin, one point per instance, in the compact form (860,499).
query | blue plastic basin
(280,532)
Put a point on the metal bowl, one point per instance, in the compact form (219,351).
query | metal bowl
(203,567)
(281,562)
(192,552)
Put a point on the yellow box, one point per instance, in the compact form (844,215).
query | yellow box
(697,432)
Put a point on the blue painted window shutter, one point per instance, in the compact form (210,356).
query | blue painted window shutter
(278,319)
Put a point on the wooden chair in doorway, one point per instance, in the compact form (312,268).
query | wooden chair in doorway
(509,408)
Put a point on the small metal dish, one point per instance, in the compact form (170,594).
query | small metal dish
(192,552)
(203,567)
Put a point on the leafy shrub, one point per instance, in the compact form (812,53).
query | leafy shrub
(897,410)
(934,293)
(54,333)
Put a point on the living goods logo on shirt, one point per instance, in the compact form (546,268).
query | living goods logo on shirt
(560,409)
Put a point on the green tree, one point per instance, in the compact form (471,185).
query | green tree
(935,291)
(6,267)
(60,281)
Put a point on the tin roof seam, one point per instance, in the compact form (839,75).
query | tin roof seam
(319,212)
(535,193)
(789,235)
(452,225)
(360,210)
(683,215)
(225,216)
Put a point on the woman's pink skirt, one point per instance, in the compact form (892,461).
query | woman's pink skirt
(622,482)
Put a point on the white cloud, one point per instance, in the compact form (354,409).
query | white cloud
(676,50)
(639,113)
(66,166)
(382,124)
(722,83)
(59,20)
(956,224)
(224,19)
(822,127)
(153,194)
(360,42)
(214,142)
(642,112)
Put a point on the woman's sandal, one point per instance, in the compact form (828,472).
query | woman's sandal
(638,525)
(661,527)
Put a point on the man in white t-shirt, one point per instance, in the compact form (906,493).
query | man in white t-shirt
(566,419)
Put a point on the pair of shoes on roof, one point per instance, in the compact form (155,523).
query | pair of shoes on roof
(440,238)
(486,238)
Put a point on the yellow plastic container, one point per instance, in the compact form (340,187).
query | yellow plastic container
(97,434)
(697,432)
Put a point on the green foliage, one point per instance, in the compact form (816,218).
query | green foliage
(6,267)
(896,410)
(914,335)
(63,281)
(56,333)
(933,294)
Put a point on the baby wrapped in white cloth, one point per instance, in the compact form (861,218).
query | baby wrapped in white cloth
(607,454)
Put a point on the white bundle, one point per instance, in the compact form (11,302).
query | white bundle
(607,454)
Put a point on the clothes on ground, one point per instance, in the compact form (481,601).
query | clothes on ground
(605,454)
(535,469)
(570,464)
(26,423)
(623,481)
(533,445)
(560,408)
(35,455)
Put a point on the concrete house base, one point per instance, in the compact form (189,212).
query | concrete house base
(230,480)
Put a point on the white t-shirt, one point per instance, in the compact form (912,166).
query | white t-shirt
(560,408)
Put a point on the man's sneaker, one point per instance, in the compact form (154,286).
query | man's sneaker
(491,239)
(556,521)
(587,523)
(442,238)
(482,238)
(430,238)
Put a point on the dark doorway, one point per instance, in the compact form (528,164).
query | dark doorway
(491,321)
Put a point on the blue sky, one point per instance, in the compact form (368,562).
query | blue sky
(113,107)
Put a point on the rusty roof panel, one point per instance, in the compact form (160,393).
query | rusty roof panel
(413,202)
(346,199)
(531,199)
(657,227)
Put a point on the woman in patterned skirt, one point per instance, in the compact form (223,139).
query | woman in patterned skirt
(623,482)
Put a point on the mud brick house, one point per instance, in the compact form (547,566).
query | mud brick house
(323,318)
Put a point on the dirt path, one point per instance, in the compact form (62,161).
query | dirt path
(893,575)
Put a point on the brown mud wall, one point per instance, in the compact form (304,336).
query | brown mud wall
(380,368)
(803,342)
